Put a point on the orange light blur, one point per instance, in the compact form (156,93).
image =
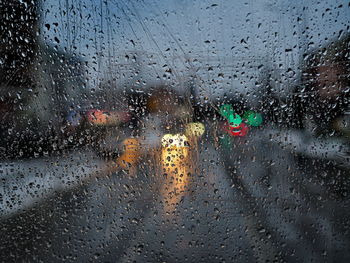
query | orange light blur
(131,154)
(102,117)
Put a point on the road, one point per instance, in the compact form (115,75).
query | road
(249,202)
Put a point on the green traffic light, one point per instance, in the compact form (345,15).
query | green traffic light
(234,120)
(253,118)
(226,110)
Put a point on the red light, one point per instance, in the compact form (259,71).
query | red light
(105,117)
(238,131)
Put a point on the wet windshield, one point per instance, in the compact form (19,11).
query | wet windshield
(174,131)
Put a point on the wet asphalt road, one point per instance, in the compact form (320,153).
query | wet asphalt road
(249,202)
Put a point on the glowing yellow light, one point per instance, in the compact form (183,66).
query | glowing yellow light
(195,129)
(177,140)
(176,164)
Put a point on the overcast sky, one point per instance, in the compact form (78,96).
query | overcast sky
(185,35)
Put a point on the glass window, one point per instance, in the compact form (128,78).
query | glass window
(174,131)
